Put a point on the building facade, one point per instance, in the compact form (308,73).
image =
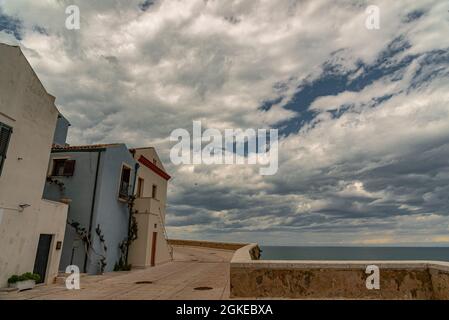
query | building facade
(61,131)
(97,180)
(31,228)
(104,184)
(151,247)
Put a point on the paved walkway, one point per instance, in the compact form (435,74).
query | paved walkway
(192,267)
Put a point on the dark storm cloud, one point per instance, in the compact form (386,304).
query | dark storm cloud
(10,25)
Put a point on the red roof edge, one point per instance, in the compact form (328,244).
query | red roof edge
(150,165)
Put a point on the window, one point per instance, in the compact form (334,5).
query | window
(154,191)
(140,187)
(63,168)
(124,183)
(5,134)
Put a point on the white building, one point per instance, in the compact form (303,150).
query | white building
(151,247)
(31,228)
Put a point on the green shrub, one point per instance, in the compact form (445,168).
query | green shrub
(14,279)
(24,277)
(120,266)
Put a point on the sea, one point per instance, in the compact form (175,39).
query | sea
(354,253)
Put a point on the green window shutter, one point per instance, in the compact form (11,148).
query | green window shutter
(5,134)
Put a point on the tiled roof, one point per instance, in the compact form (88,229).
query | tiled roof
(147,163)
(141,148)
(83,147)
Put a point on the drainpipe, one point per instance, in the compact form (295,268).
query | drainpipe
(92,208)
(136,167)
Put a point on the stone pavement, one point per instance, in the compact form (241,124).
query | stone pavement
(192,267)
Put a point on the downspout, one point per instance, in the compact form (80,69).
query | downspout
(136,167)
(92,208)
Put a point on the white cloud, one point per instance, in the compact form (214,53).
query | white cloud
(134,76)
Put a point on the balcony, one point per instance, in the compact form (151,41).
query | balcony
(148,205)
(124,190)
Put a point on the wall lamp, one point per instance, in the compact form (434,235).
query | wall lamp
(23,206)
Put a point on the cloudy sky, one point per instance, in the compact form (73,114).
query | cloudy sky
(363,114)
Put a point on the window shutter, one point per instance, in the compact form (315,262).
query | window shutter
(5,134)
(69,168)
(154,192)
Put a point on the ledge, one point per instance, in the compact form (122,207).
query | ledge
(206,244)
(326,279)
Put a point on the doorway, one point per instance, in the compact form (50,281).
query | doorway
(153,249)
(42,256)
(140,188)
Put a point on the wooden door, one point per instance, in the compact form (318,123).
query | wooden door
(42,255)
(153,249)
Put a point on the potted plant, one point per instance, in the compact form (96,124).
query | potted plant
(25,281)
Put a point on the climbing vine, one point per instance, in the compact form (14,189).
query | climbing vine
(58,183)
(82,232)
(122,264)
(102,261)
(84,235)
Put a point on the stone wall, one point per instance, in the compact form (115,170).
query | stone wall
(440,280)
(251,278)
(206,244)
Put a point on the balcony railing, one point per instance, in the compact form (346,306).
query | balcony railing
(124,190)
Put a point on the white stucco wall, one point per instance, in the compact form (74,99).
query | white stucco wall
(150,177)
(149,222)
(30,111)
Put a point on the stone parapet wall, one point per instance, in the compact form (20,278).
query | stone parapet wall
(206,244)
(252,278)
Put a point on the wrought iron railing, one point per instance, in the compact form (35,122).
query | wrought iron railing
(124,190)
